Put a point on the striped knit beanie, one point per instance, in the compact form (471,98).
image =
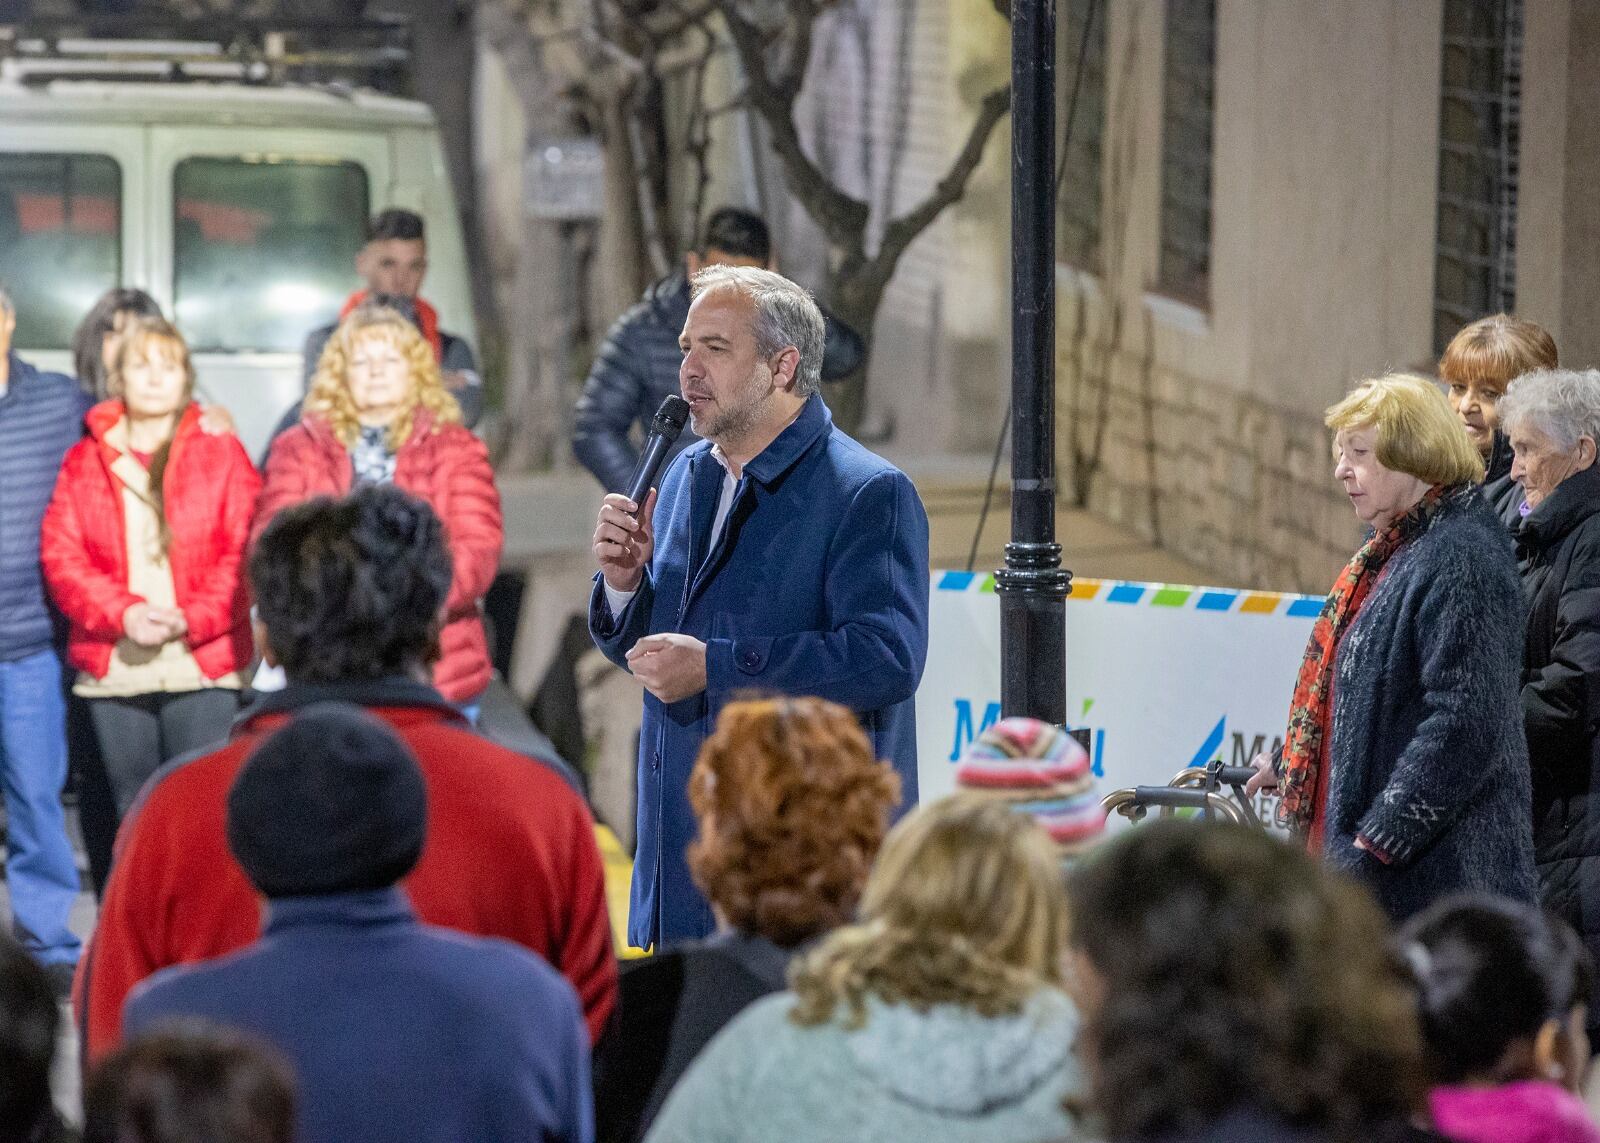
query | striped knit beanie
(1041,770)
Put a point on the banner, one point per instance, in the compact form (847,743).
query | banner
(1162,676)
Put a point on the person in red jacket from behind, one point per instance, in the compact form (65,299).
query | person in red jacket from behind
(348,594)
(378,413)
(142,548)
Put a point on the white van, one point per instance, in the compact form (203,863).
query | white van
(239,207)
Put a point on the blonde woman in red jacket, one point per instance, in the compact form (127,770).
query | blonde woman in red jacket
(142,547)
(378,413)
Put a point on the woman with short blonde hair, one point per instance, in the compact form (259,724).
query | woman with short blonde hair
(1477,367)
(1404,762)
(378,413)
(939,1015)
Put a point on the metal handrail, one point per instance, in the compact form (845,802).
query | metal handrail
(1134,802)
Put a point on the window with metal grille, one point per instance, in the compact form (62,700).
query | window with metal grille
(1480,98)
(1078,197)
(1187,105)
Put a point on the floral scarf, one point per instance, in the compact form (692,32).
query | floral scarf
(1304,748)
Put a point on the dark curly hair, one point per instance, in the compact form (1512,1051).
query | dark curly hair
(189,1082)
(352,588)
(1490,972)
(1234,971)
(792,808)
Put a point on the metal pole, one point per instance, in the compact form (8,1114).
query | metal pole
(1033,586)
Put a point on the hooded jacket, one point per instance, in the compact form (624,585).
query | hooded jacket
(946,1073)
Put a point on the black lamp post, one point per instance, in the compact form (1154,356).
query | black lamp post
(1033,585)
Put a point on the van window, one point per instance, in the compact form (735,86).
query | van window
(60,240)
(263,249)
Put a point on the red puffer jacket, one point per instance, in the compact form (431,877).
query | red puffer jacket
(448,468)
(209,496)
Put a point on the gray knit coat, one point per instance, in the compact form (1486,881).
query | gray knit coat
(1428,759)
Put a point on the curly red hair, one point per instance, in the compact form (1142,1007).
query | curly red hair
(792,808)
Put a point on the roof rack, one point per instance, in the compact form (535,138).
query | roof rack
(373,53)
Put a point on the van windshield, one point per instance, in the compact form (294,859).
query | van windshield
(60,240)
(263,249)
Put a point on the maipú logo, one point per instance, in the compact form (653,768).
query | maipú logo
(967,728)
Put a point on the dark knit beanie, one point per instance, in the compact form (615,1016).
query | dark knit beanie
(332,803)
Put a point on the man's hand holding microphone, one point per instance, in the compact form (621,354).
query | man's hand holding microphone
(671,666)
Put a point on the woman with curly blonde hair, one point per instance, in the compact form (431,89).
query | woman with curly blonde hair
(378,413)
(792,808)
(938,1015)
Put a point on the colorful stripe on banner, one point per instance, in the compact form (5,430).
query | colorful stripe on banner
(1173,595)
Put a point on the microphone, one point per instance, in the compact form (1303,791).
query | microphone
(669,422)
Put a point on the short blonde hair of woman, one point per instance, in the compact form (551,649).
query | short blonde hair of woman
(1418,434)
(329,396)
(966,905)
(1498,348)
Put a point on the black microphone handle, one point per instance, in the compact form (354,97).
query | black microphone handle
(655,451)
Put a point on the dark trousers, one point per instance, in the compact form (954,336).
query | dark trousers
(140,733)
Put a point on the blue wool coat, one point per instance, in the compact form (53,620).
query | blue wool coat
(1428,758)
(817,586)
(396,1030)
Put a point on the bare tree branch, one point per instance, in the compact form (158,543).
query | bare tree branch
(902,231)
(842,217)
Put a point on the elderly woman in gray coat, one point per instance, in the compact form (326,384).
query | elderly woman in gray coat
(1404,762)
(1553,421)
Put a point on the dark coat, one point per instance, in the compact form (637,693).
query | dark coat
(668,1008)
(1559,546)
(1428,761)
(396,1030)
(637,366)
(817,586)
(41,417)
(1503,493)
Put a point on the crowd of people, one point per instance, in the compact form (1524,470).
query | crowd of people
(340,913)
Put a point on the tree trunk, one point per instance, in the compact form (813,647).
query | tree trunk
(854,300)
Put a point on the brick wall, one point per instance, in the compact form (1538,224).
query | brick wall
(1221,479)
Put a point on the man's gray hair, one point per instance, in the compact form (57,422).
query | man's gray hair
(1563,404)
(7,306)
(785,315)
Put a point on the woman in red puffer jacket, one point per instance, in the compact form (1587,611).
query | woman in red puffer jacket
(378,412)
(142,548)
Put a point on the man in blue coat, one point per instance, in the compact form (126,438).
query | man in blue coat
(779,556)
(41,417)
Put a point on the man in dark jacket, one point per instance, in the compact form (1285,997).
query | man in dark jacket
(637,365)
(395,1030)
(349,593)
(1553,419)
(783,556)
(41,417)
